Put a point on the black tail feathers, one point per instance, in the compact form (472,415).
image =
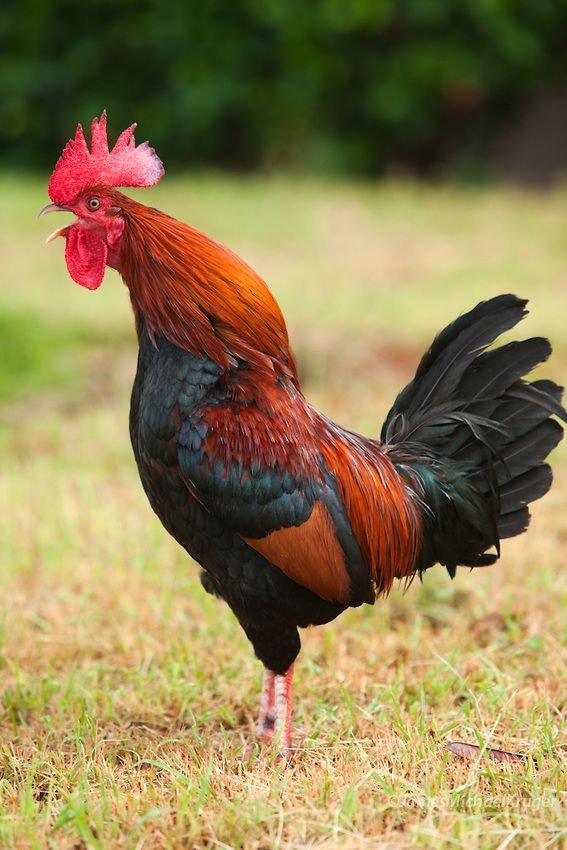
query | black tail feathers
(468,410)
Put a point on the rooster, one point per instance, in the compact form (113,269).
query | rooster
(292,517)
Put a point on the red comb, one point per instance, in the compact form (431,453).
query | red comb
(124,165)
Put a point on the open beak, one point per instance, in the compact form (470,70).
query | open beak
(61,231)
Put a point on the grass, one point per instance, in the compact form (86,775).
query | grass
(128,696)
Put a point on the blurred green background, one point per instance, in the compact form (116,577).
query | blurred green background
(355,87)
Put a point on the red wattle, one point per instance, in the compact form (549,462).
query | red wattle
(86,254)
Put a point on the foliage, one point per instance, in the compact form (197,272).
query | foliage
(326,84)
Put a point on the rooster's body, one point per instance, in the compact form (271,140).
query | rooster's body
(293,518)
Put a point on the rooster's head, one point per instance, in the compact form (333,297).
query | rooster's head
(83,184)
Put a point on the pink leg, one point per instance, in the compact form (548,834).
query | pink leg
(267,719)
(282,723)
(274,723)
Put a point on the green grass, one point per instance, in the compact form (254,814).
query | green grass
(128,696)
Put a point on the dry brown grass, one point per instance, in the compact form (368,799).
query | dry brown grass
(129,696)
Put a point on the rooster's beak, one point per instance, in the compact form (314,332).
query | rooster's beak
(61,231)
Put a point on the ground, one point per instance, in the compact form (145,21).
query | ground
(127,695)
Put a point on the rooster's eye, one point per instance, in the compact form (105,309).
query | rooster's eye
(94,203)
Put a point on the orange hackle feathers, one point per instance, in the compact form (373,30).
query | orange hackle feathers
(200,295)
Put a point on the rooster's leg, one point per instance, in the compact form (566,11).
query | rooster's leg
(274,723)
(267,719)
(282,724)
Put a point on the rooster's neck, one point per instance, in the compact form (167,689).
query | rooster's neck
(200,295)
